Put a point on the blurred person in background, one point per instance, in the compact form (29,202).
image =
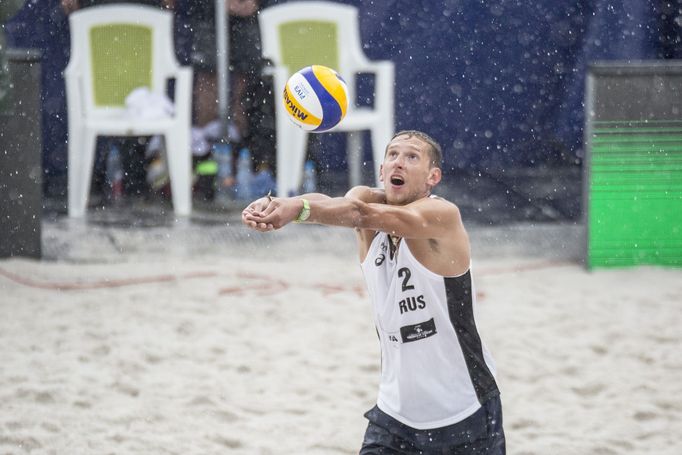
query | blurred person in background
(70,6)
(251,114)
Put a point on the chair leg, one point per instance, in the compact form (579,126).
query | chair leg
(81,159)
(73,169)
(354,154)
(283,162)
(299,147)
(179,160)
(291,151)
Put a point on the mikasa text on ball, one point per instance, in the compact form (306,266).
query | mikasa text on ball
(316,98)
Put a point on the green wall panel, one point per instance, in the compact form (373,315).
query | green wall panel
(633,166)
(635,194)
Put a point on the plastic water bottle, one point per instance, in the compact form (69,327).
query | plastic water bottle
(114,173)
(309,178)
(222,153)
(244,175)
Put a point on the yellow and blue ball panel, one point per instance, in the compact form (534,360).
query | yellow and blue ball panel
(316,98)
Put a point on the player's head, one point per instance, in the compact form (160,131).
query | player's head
(411,167)
(434,148)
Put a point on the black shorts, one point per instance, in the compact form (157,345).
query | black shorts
(481,433)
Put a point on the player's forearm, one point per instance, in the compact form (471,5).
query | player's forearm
(349,211)
(404,221)
(314,196)
(338,211)
(267,213)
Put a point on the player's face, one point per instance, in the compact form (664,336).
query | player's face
(406,171)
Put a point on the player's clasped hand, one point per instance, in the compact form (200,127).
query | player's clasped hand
(267,213)
(252,215)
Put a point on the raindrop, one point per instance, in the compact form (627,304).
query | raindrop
(496,10)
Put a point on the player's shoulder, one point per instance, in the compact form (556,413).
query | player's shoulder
(439,202)
(356,190)
(438,207)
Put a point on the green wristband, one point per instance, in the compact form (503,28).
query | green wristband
(305,211)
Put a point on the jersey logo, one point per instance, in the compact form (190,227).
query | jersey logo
(394,339)
(382,256)
(419,331)
(380,259)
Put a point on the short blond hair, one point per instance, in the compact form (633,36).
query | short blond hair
(435,151)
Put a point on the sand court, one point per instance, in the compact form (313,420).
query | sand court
(265,345)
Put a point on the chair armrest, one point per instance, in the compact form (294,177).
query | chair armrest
(384,84)
(279,74)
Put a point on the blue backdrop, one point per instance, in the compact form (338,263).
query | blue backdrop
(498,82)
(501,83)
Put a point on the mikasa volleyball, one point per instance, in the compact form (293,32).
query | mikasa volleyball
(316,98)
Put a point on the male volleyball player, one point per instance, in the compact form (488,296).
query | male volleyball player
(437,392)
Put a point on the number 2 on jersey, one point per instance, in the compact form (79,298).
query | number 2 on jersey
(405,274)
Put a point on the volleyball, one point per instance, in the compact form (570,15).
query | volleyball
(316,98)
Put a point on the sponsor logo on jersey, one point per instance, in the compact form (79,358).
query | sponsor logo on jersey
(393,338)
(418,332)
(382,256)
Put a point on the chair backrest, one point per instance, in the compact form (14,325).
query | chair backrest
(117,48)
(121,56)
(300,34)
(296,38)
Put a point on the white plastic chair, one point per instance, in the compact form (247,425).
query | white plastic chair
(299,34)
(115,49)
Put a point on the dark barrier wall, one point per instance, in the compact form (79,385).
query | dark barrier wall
(20,150)
(41,24)
(499,83)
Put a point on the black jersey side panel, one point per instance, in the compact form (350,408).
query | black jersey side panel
(461,312)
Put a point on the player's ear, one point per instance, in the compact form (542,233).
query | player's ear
(435,174)
(381,172)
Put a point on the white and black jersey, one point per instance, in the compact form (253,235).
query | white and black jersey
(435,369)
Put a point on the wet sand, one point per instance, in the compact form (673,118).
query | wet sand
(240,352)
